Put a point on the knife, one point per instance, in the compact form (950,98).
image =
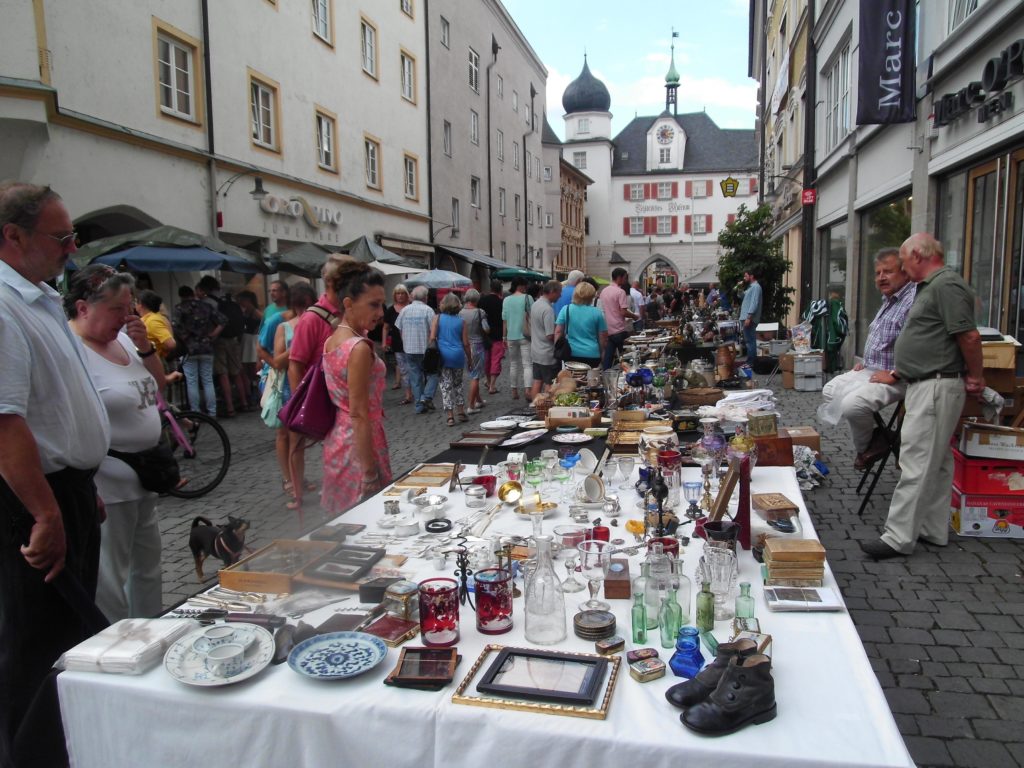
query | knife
(455,477)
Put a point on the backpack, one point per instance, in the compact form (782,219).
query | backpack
(235,325)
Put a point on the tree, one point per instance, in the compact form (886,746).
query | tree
(749,247)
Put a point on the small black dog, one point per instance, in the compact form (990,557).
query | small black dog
(226,542)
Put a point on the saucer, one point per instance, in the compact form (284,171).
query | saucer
(186,665)
(337,655)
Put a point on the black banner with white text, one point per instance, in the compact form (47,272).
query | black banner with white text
(885,83)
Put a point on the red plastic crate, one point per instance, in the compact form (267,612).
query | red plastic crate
(988,476)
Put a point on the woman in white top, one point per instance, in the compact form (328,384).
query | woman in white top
(127,374)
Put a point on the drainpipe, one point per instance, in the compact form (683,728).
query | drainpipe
(764,94)
(526,196)
(211,165)
(810,174)
(487,111)
(430,147)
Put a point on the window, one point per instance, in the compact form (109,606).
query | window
(501,87)
(447,134)
(408,77)
(526,113)
(547,173)
(455,216)
(664,225)
(515,101)
(325,129)
(501,144)
(700,225)
(529,214)
(548,220)
(372,153)
(837,100)
(412,177)
(519,255)
(501,201)
(474,191)
(504,252)
(583,126)
(263,106)
(322,19)
(474,126)
(406,6)
(368,39)
(515,155)
(516,202)
(579,159)
(959,10)
(699,188)
(664,190)
(529,165)
(540,214)
(636,225)
(665,155)
(474,70)
(636,192)
(446,33)
(176,71)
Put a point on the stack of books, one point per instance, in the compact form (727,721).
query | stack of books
(793,562)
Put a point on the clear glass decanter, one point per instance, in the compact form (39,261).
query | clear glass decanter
(545,600)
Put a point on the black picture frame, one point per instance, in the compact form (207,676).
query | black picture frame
(509,672)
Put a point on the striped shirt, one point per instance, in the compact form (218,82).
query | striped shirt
(414,324)
(888,322)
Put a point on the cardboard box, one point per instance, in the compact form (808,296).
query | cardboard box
(803,436)
(999,354)
(786,362)
(788,377)
(1002,380)
(992,442)
(987,516)
(987,476)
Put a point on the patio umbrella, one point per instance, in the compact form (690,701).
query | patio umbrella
(366,250)
(306,260)
(511,273)
(394,269)
(170,237)
(151,258)
(440,278)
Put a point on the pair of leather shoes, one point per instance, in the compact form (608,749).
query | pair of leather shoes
(877,448)
(879,550)
(745,695)
(698,688)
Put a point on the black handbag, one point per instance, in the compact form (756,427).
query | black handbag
(432,360)
(563,351)
(156,467)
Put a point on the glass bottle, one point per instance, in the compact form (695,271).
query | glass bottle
(744,602)
(684,589)
(669,619)
(687,661)
(659,576)
(639,618)
(642,586)
(545,600)
(705,607)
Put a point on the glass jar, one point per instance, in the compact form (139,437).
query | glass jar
(493,588)
(705,608)
(744,602)
(545,600)
(687,660)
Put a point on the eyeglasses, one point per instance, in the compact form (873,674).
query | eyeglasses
(66,241)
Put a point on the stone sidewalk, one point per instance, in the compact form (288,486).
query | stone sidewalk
(944,629)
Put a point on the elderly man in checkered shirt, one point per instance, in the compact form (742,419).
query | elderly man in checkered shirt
(858,394)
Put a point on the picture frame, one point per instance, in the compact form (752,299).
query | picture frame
(424,667)
(725,491)
(358,555)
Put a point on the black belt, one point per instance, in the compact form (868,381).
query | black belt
(937,375)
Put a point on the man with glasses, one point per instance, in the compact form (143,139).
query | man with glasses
(53,435)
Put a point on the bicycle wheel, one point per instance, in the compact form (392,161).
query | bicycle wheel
(207,463)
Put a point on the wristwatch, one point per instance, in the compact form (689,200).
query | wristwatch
(152,351)
(894,376)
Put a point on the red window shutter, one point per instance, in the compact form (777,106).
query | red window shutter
(650,225)
(730,218)
(625,225)
(707,223)
(689,191)
(675,189)
(650,191)
(675,225)
(688,223)
(625,191)
(753,184)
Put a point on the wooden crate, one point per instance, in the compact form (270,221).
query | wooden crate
(272,568)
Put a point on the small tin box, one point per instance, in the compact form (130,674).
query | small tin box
(645,670)
(610,645)
(402,600)
(639,654)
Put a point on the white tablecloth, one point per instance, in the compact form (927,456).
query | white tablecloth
(831,708)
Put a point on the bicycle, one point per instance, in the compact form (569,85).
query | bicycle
(203,455)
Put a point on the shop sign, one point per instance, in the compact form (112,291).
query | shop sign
(809,197)
(672,207)
(297,207)
(988,95)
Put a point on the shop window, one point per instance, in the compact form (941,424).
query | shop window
(885,225)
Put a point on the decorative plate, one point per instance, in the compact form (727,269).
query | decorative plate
(495,425)
(337,655)
(186,665)
(572,437)
(524,437)
(532,424)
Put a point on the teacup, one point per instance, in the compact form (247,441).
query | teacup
(225,660)
(220,634)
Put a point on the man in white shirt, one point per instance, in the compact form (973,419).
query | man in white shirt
(53,435)
(640,304)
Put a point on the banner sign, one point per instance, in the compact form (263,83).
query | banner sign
(885,84)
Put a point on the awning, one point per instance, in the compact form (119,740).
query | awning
(473,257)
(705,277)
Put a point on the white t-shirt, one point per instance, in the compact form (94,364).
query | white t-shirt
(129,394)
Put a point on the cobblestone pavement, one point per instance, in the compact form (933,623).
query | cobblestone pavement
(944,629)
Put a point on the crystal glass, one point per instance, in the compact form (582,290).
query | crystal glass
(493,588)
(595,558)
(571,584)
(534,473)
(721,571)
(687,660)
(545,600)
(626,464)
(562,476)
(611,470)
(439,612)
(691,493)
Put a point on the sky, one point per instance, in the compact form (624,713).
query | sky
(627,47)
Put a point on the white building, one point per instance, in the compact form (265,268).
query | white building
(658,193)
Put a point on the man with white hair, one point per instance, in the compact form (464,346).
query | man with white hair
(639,305)
(567,289)
(414,323)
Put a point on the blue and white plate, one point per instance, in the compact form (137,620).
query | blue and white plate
(186,665)
(337,655)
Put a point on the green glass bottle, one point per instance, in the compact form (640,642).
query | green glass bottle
(670,619)
(639,618)
(744,602)
(705,607)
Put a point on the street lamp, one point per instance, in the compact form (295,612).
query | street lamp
(257,193)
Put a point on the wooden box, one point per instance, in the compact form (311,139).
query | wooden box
(617,584)
(630,416)
(272,568)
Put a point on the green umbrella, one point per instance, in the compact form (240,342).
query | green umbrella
(510,273)
(306,260)
(165,236)
(366,250)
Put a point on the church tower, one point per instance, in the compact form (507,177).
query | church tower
(672,81)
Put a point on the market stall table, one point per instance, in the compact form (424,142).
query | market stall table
(831,708)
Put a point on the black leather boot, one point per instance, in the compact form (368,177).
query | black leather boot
(698,688)
(745,695)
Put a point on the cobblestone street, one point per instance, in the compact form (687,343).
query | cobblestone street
(944,629)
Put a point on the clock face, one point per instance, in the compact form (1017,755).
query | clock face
(665,134)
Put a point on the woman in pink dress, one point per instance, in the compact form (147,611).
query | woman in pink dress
(356,462)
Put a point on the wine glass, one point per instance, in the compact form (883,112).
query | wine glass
(563,473)
(535,473)
(571,584)
(626,464)
(611,469)
(595,558)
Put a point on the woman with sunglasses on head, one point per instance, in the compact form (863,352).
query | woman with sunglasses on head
(393,340)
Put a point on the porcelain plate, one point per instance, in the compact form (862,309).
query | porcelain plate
(186,665)
(337,655)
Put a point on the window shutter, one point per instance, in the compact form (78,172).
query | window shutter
(688,223)
(650,225)
(675,225)
(689,193)
(675,189)
(730,218)
(707,223)
(650,191)
(753,185)
(625,191)
(625,225)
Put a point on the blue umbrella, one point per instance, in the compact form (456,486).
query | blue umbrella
(154,258)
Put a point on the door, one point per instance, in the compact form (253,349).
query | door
(984,222)
(1013,320)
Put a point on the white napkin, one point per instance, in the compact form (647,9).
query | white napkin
(129,647)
